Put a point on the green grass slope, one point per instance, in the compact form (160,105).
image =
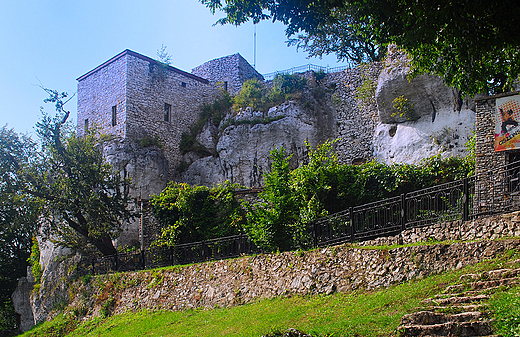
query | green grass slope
(375,313)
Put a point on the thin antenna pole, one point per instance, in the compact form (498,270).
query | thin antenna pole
(254,52)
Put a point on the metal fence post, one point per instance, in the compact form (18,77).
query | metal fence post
(143,258)
(403,212)
(465,199)
(352,227)
(315,233)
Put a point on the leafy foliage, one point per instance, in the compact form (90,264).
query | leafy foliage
(148,141)
(366,92)
(473,45)
(83,201)
(195,213)
(213,113)
(256,95)
(292,199)
(34,261)
(18,218)
(289,83)
(251,95)
(163,56)
(356,44)
(272,223)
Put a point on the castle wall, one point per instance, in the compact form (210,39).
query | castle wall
(98,92)
(486,157)
(232,69)
(150,87)
(356,122)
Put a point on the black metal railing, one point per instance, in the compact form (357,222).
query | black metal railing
(492,192)
(307,67)
(154,257)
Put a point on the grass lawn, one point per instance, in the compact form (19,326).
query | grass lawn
(361,313)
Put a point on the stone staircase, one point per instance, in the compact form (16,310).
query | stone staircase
(460,310)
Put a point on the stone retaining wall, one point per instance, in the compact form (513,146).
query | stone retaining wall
(489,228)
(322,271)
(247,279)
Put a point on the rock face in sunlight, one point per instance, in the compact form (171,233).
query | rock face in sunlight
(375,112)
(243,149)
(418,117)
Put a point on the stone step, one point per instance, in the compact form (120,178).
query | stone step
(482,285)
(459,308)
(491,275)
(464,329)
(455,300)
(430,317)
(500,273)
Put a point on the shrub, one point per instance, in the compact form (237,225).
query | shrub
(195,213)
(288,84)
(214,113)
(148,141)
(292,199)
(34,261)
(271,223)
(252,95)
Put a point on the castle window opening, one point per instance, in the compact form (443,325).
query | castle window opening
(225,86)
(183,84)
(114,115)
(86,125)
(167,110)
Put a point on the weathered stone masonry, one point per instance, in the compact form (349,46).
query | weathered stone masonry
(229,72)
(486,157)
(342,268)
(143,92)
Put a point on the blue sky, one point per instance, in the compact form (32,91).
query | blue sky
(53,42)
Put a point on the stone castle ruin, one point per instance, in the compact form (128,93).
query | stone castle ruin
(138,100)
(133,97)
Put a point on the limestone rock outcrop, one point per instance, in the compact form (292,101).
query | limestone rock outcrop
(243,148)
(22,301)
(402,121)
(419,117)
(147,166)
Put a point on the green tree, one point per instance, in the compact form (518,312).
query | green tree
(356,44)
(18,217)
(196,213)
(473,45)
(84,202)
(271,223)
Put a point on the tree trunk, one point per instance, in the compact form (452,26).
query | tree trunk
(105,246)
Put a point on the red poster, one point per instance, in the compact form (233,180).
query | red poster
(507,130)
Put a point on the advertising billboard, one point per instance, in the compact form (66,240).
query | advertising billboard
(507,129)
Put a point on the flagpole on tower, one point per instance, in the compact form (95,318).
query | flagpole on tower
(254,52)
